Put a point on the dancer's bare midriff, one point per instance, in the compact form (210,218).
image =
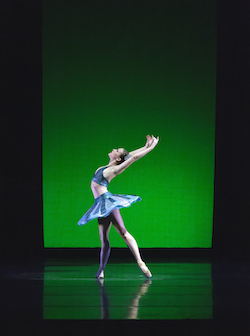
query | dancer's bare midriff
(97,189)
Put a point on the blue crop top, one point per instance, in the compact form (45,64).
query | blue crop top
(99,178)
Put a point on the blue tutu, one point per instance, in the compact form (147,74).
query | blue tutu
(105,204)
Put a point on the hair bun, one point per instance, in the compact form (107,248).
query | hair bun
(126,157)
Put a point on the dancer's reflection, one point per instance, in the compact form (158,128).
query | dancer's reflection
(104,300)
(132,308)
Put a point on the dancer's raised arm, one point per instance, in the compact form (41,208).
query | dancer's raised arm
(136,151)
(136,156)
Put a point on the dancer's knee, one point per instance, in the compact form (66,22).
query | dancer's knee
(126,235)
(129,238)
(104,237)
(122,231)
(105,242)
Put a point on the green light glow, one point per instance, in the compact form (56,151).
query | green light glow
(112,75)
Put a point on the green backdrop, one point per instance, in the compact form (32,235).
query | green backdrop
(113,72)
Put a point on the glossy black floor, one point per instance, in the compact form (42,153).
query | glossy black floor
(58,294)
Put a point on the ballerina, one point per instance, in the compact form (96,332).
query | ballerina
(107,205)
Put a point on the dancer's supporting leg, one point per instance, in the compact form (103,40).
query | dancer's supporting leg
(117,221)
(104,228)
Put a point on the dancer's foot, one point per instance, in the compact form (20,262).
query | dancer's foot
(145,270)
(100,281)
(100,274)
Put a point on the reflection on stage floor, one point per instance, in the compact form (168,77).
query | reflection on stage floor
(57,290)
(176,291)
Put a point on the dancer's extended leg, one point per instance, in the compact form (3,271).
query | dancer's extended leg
(129,240)
(104,228)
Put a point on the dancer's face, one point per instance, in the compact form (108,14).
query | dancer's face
(116,153)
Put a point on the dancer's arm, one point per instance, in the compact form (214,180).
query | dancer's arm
(120,168)
(137,151)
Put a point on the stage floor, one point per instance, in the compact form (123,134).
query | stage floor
(56,291)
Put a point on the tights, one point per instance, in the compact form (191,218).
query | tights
(104,228)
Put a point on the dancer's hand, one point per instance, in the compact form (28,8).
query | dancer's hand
(149,140)
(154,142)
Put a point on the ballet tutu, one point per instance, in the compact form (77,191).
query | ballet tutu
(105,204)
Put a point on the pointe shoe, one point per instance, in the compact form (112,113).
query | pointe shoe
(100,275)
(145,270)
(100,281)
